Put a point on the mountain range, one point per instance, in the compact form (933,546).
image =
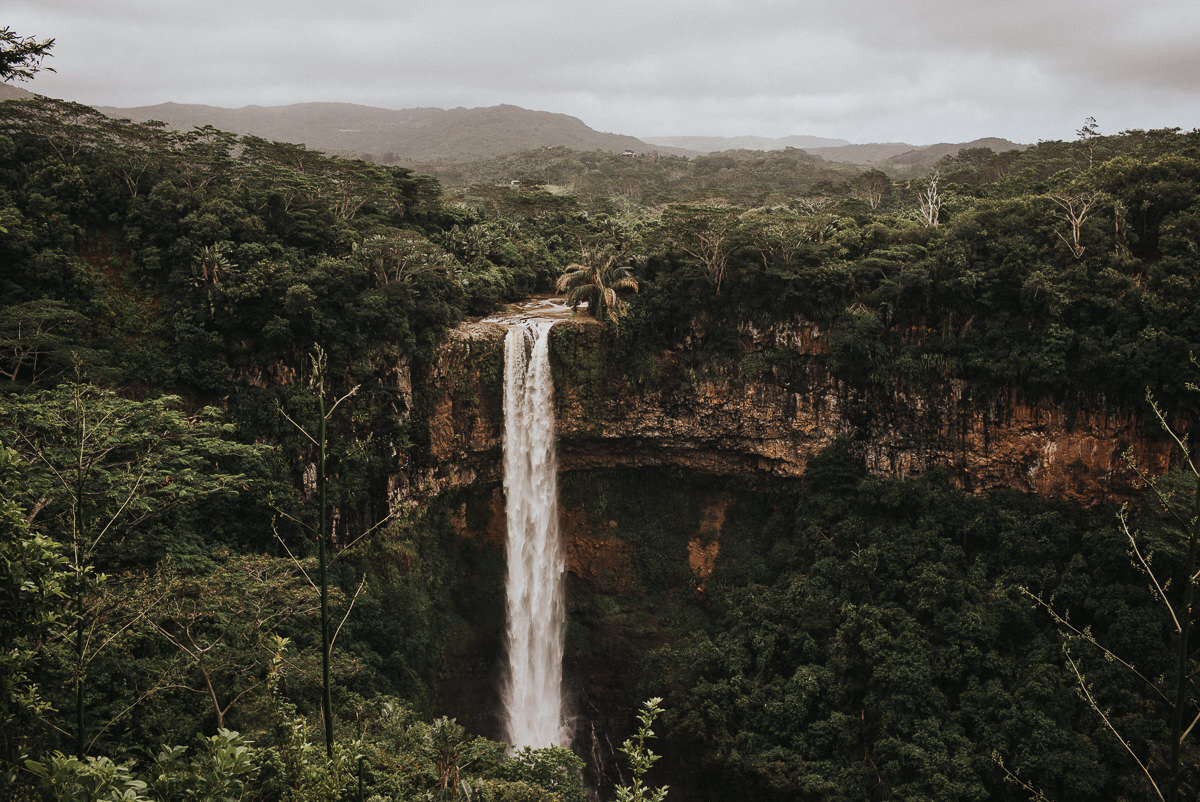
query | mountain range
(716,144)
(396,135)
(432,135)
(10,92)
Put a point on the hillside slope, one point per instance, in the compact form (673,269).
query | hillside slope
(10,92)
(432,136)
(396,135)
(716,144)
(902,156)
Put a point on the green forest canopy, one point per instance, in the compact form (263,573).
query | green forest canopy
(156,272)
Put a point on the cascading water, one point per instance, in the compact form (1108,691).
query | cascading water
(536,612)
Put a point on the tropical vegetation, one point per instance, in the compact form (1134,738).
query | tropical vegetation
(203,595)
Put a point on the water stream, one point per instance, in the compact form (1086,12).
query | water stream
(532,694)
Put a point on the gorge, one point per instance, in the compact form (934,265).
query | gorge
(662,485)
(855,493)
(729,422)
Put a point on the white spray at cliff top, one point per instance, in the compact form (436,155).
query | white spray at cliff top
(536,611)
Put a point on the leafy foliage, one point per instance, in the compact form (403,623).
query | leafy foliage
(1042,274)
(863,637)
(21,56)
(598,285)
(641,758)
(857,637)
(35,582)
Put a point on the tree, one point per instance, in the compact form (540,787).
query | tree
(319,441)
(1077,207)
(705,232)
(1087,134)
(812,205)
(100,465)
(68,128)
(21,56)
(137,148)
(35,582)
(1089,130)
(599,284)
(641,758)
(929,200)
(224,623)
(780,235)
(353,185)
(1172,776)
(321,530)
(398,255)
(554,768)
(871,186)
(221,769)
(35,337)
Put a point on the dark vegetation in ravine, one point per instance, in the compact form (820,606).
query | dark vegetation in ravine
(866,638)
(860,638)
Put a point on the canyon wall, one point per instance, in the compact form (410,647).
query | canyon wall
(629,561)
(723,421)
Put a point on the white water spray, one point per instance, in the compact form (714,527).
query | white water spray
(536,612)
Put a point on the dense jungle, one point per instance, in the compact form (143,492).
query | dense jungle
(234,372)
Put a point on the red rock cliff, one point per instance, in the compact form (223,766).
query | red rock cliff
(726,422)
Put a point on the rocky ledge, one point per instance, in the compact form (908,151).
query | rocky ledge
(726,422)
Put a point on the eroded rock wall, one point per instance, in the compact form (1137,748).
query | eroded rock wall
(645,547)
(458,403)
(723,421)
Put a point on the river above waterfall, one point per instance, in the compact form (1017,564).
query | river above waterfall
(543,307)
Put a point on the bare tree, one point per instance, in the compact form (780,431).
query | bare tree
(871,186)
(929,200)
(705,231)
(1077,207)
(1173,692)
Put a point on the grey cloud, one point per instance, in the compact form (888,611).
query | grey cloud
(923,70)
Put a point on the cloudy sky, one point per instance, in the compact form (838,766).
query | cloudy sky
(919,71)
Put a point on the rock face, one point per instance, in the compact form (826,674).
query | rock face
(740,420)
(728,422)
(460,398)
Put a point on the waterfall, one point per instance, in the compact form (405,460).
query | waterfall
(536,611)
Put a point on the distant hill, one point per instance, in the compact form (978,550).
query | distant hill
(432,136)
(872,153)
(893,157)
(396,136)
(715,144)
(931,154)
(10,92)
(898,157)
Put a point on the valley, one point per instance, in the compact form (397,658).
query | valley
(862,470)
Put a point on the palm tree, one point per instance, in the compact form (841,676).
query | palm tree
(599,285)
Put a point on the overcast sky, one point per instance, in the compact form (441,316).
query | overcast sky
(918,71)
